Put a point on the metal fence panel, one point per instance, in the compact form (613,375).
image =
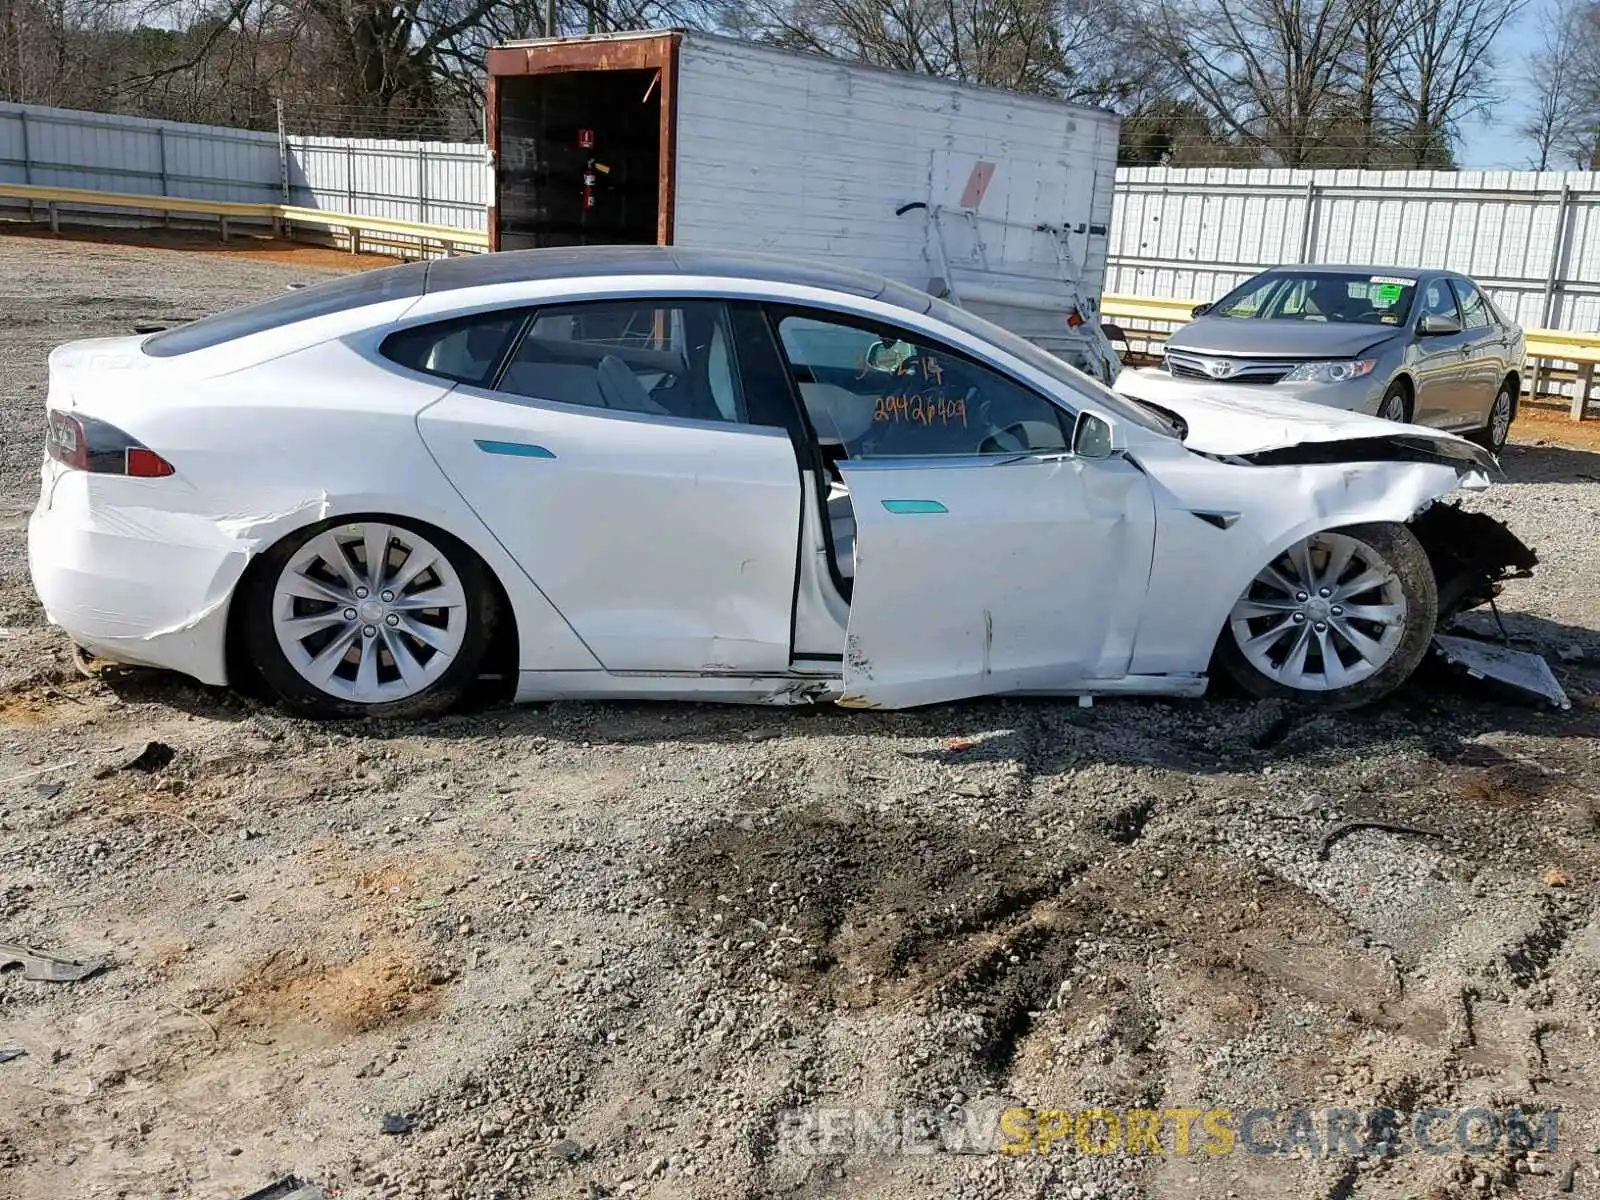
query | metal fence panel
(441,183)
(1531,238)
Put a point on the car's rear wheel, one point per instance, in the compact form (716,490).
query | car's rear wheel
(369,617)
(1492,437)
(1339,619)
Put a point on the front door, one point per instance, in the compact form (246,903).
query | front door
(1486,358)
(987,558)
(993,575)
(617,459)
(1441,359)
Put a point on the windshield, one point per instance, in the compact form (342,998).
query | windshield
(1049,365)
(1321,296)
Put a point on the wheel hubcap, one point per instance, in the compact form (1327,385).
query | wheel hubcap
(370,613)
(1394,409)
(1326,615)
(1501,421)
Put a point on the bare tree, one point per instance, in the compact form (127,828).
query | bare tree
(1554,70)
(1270,71)
(1441,71)
(1075,50)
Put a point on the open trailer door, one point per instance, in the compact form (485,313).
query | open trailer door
(582,135)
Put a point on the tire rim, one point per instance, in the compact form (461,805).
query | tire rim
(1329,613)
(1500,419)
(370,613)
(1394,409)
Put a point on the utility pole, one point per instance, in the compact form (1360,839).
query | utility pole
(283,151)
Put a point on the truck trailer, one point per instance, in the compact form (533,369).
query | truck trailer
(996,201)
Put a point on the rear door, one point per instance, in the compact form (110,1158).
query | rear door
(987,557)
(1440,360)
(615,456)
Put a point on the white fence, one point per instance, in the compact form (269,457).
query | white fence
(441,183)
(1532,238)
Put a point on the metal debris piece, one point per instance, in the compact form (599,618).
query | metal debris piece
(398,1123)
(288,1188)
(47,968)
(1344,827)
(1517,669)
(48,791)
(11,1053)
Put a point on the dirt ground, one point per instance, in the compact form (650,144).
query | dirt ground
(609,950)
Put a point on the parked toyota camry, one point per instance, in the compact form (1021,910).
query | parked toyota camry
(1428,347)
(645,472)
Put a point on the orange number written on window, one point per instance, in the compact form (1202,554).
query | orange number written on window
(922,408)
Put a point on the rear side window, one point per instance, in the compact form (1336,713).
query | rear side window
(466,349)
(1474,311)
(302,304)
(666,358)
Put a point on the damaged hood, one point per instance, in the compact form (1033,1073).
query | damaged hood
(1235,420)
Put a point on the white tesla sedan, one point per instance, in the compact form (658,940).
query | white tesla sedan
(643,472)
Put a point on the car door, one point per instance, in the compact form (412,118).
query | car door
(1486,354)
(614,454)
(1439,361)
(988,558)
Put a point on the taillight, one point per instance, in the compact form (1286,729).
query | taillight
(86,444)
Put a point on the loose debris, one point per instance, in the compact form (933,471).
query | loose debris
(152,758)
(398,1123)
(1556,877)
(11,1053)
(1344,827)
(41,967)
(1519,670)
(288,1188)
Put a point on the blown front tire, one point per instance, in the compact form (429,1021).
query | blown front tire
(1340,619)
(369,616)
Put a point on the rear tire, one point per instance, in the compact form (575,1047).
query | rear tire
(1364,595)
(1492,437)
(333,637)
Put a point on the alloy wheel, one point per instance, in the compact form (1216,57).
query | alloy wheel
(1329,613)
(369,612)
(1500,419)
(1394,408)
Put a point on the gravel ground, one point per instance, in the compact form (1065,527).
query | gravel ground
(603,950)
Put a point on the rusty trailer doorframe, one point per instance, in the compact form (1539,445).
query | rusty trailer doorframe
(627,52)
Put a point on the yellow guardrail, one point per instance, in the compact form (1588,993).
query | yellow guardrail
(281,216)
(1551,345)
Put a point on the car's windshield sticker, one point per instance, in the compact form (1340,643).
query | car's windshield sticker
(1393,279)
(1390,293)
(1389,319)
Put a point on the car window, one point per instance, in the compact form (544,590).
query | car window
(466,349)
(1474,312)
(300,304)
(1246,301)
(1438,301)
(879,392)
(660,358)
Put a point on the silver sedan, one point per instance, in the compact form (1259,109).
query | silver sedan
(1426,347)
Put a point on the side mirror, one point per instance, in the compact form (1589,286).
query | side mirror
(1092,437)
(1435,325)
(1200,310)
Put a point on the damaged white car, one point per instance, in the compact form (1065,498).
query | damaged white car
(644,472)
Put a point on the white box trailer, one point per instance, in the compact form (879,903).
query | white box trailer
(997,201)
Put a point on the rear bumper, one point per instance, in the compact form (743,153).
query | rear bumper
(130,582)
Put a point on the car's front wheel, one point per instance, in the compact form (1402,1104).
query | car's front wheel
(369,617)
(1339,619)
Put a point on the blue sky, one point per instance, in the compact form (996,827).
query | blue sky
(1497,144)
